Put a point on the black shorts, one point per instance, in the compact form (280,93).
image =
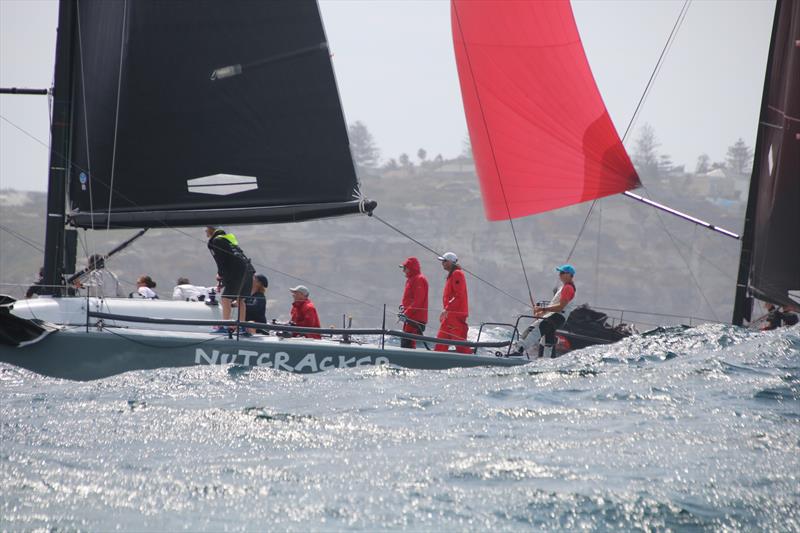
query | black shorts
(238,285)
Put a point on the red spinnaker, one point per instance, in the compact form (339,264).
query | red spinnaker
(540,131)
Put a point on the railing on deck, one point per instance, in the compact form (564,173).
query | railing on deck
(344,332)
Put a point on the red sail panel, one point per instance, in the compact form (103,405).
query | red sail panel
(541,136)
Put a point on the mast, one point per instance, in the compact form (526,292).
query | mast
(60,128)
(743,303)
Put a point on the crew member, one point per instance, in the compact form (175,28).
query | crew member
(777,317)
(414,307)
(38,286)
(144,288)
(234,270)
(304,314)
(257,302)
(553,316)
(455,305)
(185,291)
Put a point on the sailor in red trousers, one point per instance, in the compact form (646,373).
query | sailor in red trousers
(455,304)
(414,308)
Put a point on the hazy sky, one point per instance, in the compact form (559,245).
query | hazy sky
(396,72)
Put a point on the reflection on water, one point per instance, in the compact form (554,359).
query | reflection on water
(680,429)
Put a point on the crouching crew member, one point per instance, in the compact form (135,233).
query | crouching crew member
(304,314)
(455,304)
(414,307)
(256,303)
(553,316)
(234,269)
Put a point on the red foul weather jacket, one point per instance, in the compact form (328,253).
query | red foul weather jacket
(304,314)
(415,295)
(454,297)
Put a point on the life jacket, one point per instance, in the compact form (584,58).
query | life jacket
(557,300)
(234,243)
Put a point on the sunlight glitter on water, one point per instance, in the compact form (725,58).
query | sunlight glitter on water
(696,428)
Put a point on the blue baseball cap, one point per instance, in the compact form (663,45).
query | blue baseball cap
(569,269)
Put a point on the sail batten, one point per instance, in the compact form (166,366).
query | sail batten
(541,136)
(208,88)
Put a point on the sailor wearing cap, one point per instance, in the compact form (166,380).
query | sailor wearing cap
(553,316)
(455,305)
(304,314)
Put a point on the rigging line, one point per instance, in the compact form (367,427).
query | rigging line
(657,67)
(85,121)
(437,253)
(688,267)
(21,237)
(704,258)
(116,113)
(23,131)
(178,230)
(597,253)
(494,157)
(292,276)
(583,227)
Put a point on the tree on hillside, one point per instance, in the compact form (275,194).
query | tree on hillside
(665,164)
(405,161)
(740,158)
(362,145)
(645,157)
(703,164)
(466,147)
(391,164)
(422,154)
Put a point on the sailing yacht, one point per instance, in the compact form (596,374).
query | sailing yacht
(166,115)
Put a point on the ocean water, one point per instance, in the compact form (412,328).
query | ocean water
(693,429)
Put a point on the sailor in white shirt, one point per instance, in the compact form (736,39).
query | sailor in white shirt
(144,288)
(186,292)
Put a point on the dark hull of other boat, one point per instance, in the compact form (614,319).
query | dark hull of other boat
(568,341)
(78,354)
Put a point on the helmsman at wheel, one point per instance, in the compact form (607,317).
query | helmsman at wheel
(553,316)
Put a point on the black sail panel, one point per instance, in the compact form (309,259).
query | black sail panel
(775,263)
(225,109)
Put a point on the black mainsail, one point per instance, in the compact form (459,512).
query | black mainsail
(770,261)
(191,112)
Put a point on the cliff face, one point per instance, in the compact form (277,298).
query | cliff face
(625,258)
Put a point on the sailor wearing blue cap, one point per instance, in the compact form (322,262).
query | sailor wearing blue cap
(553,316)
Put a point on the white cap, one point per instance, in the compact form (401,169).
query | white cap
(449,256)
(301,289)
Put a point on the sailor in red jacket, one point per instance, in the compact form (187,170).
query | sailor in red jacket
(414,307)
(455,304)
(304,314)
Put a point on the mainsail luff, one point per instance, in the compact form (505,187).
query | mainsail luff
(770,258)
(228,112)
(60,136)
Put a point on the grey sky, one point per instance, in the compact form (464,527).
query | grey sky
(396,72)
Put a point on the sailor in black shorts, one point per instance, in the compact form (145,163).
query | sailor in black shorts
(235,270)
